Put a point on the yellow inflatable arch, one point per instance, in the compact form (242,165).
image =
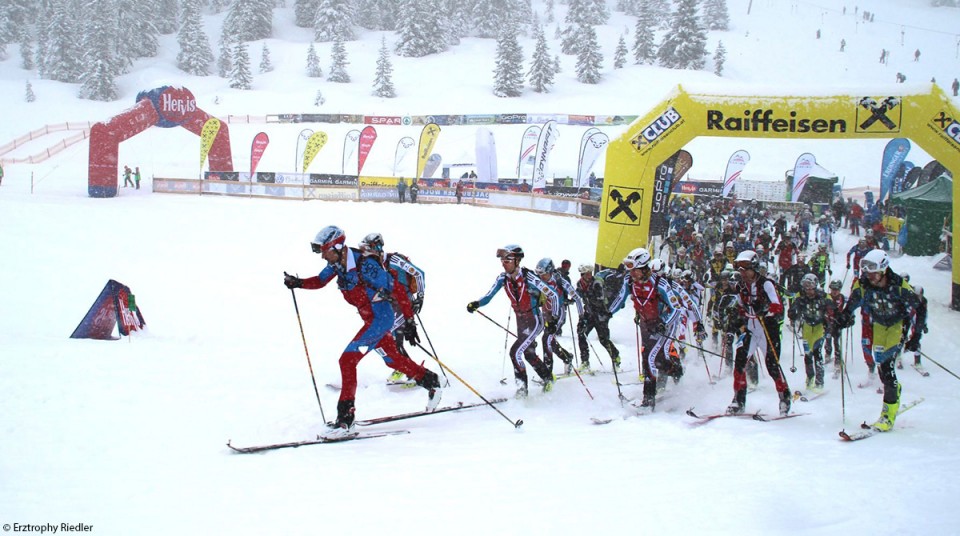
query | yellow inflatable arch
(630,193)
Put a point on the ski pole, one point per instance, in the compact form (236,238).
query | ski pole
(573,338)
(691,345)
(793,359)
(939,365)
(516,424)
(427,335)
(639,358)
(776,354)
(503,366)
(309,364)
(496,323)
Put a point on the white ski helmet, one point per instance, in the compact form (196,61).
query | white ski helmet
(874,261)
(638,258)
(658,266)
(749,257)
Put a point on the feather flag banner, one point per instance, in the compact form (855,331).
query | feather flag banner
(428,138)
(207,134)
(738,160)
(314,144)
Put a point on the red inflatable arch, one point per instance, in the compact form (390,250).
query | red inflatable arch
(165,107)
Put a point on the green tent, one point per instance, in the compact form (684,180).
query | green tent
(927,207)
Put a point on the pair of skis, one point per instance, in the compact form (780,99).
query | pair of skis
(869,431)
(758,416)
(320,440)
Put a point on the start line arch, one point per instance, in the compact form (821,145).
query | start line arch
(165,107)
(630,190)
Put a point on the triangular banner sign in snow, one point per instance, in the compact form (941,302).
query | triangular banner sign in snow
(114,307)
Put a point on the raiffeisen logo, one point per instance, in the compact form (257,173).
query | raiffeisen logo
(764,121)
(948,126)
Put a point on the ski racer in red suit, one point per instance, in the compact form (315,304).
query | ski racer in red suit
(368,287)
(760,304)
(656,307)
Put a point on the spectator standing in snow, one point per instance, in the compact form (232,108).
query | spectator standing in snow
(916,55)
(136,177)
(414,190)
(402,189)
(843,44)
(126,177)
(955,86)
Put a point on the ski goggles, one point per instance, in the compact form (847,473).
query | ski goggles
(868,266)
(319,248)
(630,264)
(744,265)
(506,255)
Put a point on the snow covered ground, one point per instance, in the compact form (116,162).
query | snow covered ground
(129,436)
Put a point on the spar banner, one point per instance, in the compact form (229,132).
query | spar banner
(350,144)
(257,147)
(314,144)
(661,195)
(528,144)
(545,143)
(893,156)
(207,134)
(301,146)
(591,147)
(801,173)
(115,307)
(486,155)
(738,160)
(400,154)
(367,136)
(428,138)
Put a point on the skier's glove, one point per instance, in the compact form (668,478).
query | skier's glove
(550,327)
(410,332)
(417,304)
(699,332)
(913,344)
(473,306)
(924,329)
(845,319)
(658,327)
(292,281)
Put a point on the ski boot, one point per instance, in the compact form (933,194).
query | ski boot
(784,403)
(521,388)
(548,383)
(736,407)
(344,425)
(585,367)
(616,363)
(431,382)
(888,415)
(396,377)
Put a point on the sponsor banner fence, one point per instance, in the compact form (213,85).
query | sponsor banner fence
(581,202)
